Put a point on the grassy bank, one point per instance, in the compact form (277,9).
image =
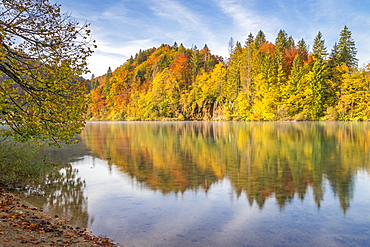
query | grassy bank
(21,163)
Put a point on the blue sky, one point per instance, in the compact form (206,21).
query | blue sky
(123,27)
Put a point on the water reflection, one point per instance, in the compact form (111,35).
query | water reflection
(261,160)
(61,193)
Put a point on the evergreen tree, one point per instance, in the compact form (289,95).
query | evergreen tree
(249,40)
(238,47)
(109,71)
(346,50)
(234,72)
(290,42)
(282,44)
(295,75)
(302,50)
(317,85)
(334,53)
(259,40)
(108,75)
(93,84)
(281,40)
(195,62)
(163,62)
(318,49)
(247,72)
(181,49)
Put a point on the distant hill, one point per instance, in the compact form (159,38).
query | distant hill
(260,81)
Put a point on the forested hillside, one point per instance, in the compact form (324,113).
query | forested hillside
(261,80)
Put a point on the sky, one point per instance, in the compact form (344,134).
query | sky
(122,28)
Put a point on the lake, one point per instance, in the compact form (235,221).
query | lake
(216,183)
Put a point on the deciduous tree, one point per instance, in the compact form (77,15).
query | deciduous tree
(42,56)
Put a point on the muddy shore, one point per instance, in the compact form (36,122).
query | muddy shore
(22,224)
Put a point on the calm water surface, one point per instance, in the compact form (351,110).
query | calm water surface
(216,183)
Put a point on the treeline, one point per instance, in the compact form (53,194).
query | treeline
(260,80)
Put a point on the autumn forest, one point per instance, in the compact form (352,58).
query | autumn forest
(260,81)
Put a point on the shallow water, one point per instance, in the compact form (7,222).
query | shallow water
(216,183)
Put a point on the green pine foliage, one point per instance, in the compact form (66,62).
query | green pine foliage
(260,81)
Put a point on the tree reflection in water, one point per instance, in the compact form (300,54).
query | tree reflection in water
(62,193)
(261,159)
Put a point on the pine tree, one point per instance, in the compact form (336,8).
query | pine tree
(259,40)
(318,49)
(282,44)
(334,53)
(346,50)
(295,75)
(107,84)
(290,42)
(249,40)
(109,71)
(302,50)
(289,91)
(318,85)
(281,40)
(195,62)
(247,78)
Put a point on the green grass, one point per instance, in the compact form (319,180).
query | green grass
(21,163)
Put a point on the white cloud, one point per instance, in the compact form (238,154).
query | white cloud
(125,48)
(124,27)
(247,20)
(327,9)
(174,11)
(191,23)
(115,54)
(243,17)
(99,63)
(117,12)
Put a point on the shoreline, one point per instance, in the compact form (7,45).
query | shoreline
(23,224)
